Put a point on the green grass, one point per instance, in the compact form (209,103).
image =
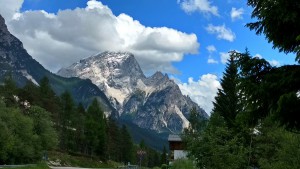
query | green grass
(41,165)
(80,161)
(183,164)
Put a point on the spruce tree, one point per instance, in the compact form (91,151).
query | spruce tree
(66,121)
(126,145)
(114,140)
(227,102)
(96,131)
(79,119)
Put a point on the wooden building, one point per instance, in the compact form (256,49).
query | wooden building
(176,147)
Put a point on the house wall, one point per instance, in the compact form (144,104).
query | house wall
(178,154)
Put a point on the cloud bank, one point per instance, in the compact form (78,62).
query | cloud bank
(202,91)
(58,40)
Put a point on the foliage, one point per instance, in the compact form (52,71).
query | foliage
(266,88)
(40,165)
(227,102)
(23,138)
(279,22)
(164,158)
(126,146)
(34,120)
(274,147)
(183,164)
(255,121)
(78,160)
(95,130)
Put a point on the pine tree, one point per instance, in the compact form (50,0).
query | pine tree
(96,131)
(9,91)
(66,122)
(164,159)
(114,140)
(79,119)
(126,145)
(227,102)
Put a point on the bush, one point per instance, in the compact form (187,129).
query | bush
(183,164)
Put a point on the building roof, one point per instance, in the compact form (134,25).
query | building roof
(173,137)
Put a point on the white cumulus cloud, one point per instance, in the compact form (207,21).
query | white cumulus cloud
(272,62)
(9,8)
(224,57)
(202,6)
(58,40)
(258,56)
(221,31)
(202,91)
(212,61)
(211,48)
(236,13)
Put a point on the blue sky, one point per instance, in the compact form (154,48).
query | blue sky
(169,13)
(188,39)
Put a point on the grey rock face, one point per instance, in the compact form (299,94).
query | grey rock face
(154,103)
(15,61)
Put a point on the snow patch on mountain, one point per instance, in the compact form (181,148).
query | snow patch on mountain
(152,102)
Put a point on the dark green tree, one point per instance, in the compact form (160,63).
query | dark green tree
(49,101)
(227,102)
(23,142)
(79,125)
(263,86)
(219,146)
(96,131)
(9,91)
(43,127)
(66,122)
(164,157)
(114,140)
(126,148)
(279,22)
(30,93)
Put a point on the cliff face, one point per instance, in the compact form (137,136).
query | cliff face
(154,103)
(16,62)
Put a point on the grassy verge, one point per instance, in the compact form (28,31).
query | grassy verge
(41,165)
(183,164)
(63,159)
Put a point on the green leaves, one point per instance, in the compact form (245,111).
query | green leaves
(279,22)
(254,97)
(23,138)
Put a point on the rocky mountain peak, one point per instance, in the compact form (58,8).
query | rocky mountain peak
(154,103)
(8,40)
(3,27)
(157,75)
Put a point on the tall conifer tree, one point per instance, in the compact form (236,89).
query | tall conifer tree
(227,102)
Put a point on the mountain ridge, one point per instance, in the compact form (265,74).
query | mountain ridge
(15,60)
(154,102)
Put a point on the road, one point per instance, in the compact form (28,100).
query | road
(74,168)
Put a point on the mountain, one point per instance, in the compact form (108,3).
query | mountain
(15,61)
(154,102)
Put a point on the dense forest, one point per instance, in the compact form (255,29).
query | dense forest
(255,122)
(33,120)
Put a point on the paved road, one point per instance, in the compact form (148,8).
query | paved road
(73,168)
